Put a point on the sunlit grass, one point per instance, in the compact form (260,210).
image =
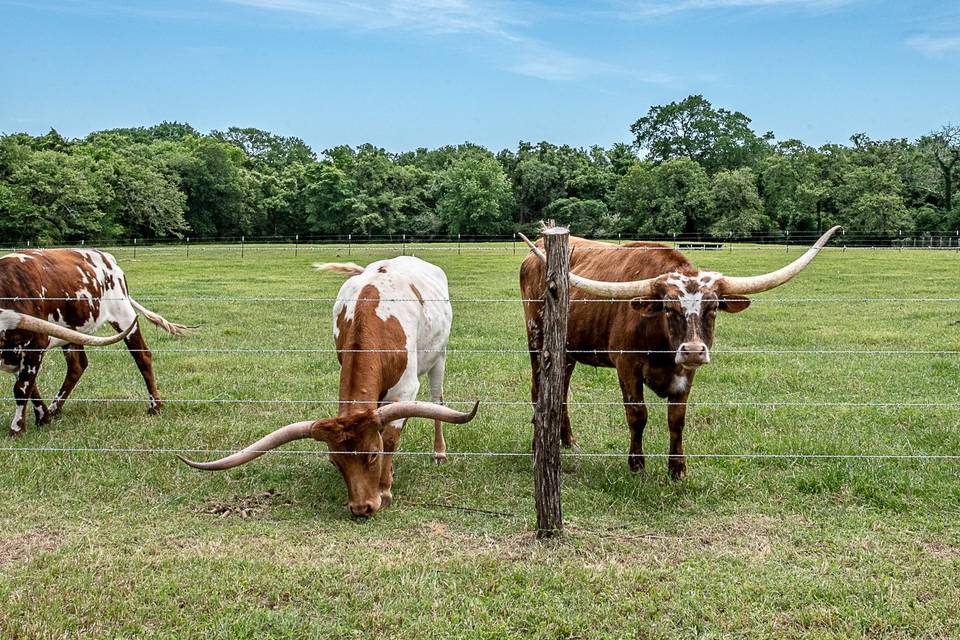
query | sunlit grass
(121,545)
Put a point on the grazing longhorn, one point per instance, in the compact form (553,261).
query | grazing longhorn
(657,335)
(391,323)
(57,297)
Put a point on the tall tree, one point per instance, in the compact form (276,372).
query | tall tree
(715,138)
(657,200)
(472,196)
(944,147)
(736,205)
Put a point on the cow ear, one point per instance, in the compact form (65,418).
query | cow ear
(330,431)
(734,304)
(647,306)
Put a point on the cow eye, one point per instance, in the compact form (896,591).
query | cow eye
(372,457)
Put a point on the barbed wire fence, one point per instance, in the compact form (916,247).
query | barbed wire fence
(546,529)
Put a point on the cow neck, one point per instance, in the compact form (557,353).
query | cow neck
(372,354)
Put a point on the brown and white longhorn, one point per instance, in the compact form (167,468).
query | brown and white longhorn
(391,324)
(658,336)
(58,297)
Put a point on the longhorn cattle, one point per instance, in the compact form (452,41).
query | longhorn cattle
(656,329)
(391,323)
(71,293)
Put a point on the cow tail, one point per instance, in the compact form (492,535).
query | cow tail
(170,327)
(340,267)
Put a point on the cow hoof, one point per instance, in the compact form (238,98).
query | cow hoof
(636,463)
(678,472)
(47,418)
(15,434)
(154,410)
(439,458)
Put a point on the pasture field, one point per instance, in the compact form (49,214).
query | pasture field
(124,544)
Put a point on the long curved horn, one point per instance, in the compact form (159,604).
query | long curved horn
(415,409)
(602,288)
(22,321)
(756,284)
(283,435)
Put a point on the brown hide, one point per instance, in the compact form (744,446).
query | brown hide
(63,286)
(54,274)
(649,332)
(365,378)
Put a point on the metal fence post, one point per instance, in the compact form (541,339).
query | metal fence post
(551,399)
(296,245)
(458,244)
(242,240)
(134,248)
(349,243)
(188,246)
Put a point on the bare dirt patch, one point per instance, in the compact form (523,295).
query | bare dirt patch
(244,506)
(748,536)
(25,546)
(943,550)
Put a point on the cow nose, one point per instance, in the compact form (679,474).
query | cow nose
(363,509)
(693,353)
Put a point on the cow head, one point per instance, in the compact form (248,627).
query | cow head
(686,303)
(356,446)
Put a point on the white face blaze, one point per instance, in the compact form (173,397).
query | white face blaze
(693,351)
(692,288)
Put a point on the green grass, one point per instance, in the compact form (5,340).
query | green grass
(135,545)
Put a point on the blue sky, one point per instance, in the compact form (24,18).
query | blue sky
(409,73)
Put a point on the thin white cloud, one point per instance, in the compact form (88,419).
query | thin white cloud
(935,46)
(433,16)
(648,8)
(496,27)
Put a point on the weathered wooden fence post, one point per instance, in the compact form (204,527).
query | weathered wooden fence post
(550,401)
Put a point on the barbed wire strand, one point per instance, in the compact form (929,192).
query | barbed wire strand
(527,403)
(818,352)
(837,300)
(495,454)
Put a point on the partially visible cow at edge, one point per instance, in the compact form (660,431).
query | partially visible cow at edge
(73,292)
(656,330)
(391,323)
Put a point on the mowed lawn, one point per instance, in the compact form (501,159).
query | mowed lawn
(121,544)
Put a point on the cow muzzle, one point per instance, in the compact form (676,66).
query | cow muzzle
(692,354)
(364,508)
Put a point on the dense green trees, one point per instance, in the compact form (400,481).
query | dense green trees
(703,171)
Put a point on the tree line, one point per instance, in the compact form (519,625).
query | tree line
(692,169)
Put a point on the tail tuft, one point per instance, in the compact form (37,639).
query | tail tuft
(170,327)
(340,267)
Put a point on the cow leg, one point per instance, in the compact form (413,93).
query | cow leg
(636,412)
(144,359)
(40,411)
(676,416)
(76,359)
(23,387)
(534,342)
(436,395)
(390,437)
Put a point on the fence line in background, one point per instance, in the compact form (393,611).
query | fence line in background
(500,454)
